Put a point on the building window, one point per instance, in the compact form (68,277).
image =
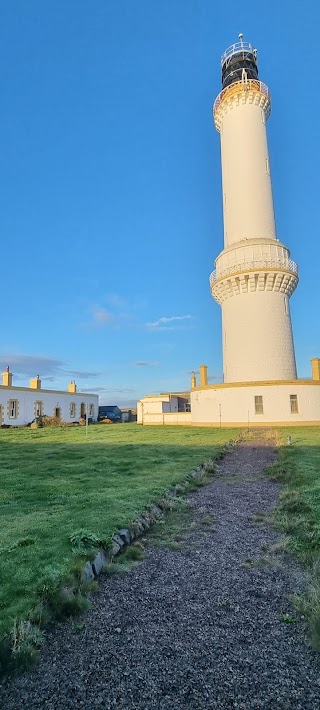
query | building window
(258,404)
(13,408)
(294,404)
(38,409)
(91,410)
(72,410)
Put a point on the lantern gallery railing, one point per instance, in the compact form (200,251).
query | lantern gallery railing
(237,86)
(237,48)
(255,265)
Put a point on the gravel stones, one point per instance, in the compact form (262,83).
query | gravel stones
(194,628)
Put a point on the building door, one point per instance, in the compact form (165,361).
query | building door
(83,410)
(57,412)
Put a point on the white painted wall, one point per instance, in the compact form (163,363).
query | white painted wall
(157,405)
(237,404)
(154,405)
(27,398)
(169,418)
(246,180)
(257,337)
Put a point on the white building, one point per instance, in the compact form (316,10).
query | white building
(21,405)
(254,276)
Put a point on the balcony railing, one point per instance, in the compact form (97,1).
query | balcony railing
(236,48)
(255,265)
(243,86)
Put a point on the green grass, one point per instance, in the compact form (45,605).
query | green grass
(298,512)
(55,483)
(168,532)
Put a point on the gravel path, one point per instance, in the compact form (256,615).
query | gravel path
(193,628)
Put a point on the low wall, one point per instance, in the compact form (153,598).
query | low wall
(171,418)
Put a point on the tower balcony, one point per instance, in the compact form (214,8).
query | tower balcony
(241,48)
(238,87)
(244,91)
(268,274)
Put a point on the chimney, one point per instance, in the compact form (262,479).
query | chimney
(7,378)
(203,375)
(193,380)
(35,383)
(72,387)
(315,366)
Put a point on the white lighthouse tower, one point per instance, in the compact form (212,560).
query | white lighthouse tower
(254,276)
(253,280)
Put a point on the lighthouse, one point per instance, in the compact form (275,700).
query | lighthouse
(253,280)
(254,275)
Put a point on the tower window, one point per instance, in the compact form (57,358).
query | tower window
(294,404)
(263,118)
(258,404)
(286,310)
(267,166)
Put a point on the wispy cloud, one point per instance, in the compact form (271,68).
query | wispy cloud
(110,312)
(146,364)
(172,323)
(31,364)
(113,311)
(108,390)
(116,301)
(50,369)
(85,374)
(101,316)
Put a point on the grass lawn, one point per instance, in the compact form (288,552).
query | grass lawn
(298,513)
(299,509)
(55,482)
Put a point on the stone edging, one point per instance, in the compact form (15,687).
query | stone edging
(126,536)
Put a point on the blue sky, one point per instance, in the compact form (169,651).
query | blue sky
(111,213)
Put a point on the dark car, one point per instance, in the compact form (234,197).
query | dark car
(110,412)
